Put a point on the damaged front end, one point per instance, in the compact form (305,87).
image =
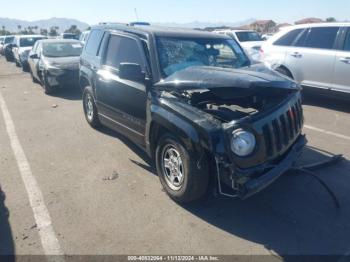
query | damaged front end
(261,120)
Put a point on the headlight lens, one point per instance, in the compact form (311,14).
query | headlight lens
(242,142)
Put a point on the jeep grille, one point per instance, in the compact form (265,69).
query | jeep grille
(283,130)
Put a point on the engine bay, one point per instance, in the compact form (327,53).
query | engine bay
(226,105)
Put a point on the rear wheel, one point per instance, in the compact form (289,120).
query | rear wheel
(182,179)
(90,109)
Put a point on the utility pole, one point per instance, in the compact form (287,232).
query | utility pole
(137,16)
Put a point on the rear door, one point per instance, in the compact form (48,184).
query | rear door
(312,57)
(341,78)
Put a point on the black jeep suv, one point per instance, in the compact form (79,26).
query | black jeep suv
(196,104)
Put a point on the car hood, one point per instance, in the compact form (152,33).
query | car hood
(24,49)
(251,44)
(203,77)
(71,63)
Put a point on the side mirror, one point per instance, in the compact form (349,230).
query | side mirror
(34,56)
(130,71)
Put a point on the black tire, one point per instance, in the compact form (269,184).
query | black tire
(47,88)
(195,179)
(17,63)
(91,117)
(25,68)
(32,76)
(284,71)
(8,58)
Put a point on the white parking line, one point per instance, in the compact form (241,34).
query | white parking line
(327,132)
(42,217)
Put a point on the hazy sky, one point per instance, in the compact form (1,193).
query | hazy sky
(181,11)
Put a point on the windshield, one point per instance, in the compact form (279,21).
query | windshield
(9,40)
(248,36)
(28,41)
(62,49)
(176,54)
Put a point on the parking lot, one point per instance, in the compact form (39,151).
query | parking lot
(103,196)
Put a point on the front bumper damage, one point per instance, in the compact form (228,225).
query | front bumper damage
(64,78)
(254,185)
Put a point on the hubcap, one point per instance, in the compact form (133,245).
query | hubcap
(172,167)
(89,107)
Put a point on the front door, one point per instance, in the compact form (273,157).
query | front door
(342,66)
(122,102)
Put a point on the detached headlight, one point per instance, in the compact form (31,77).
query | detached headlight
(242,142)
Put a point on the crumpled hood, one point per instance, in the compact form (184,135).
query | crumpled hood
(204,77)
(71,63)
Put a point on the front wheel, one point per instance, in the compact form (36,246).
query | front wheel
(182,179)
(90,109)
(48,89)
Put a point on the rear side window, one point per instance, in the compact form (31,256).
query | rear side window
(321,37)
(93,42)
(289,38)
(123,50)
(347,41)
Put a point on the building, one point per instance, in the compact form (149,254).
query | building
(263,26)
(309,20)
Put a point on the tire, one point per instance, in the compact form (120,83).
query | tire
(284,71)
(192,181)
(90,109)
(8,58)
(17,63)
(32,76)
(47,88)
(25,69)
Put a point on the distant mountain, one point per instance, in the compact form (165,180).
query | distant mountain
(197,24)
(63,24)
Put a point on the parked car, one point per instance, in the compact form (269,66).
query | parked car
(267,36)
(69,36)
(55,63)
(22,44)
(250,40)
(7,48)
(139,23)
(314,55)
(84,36)
(2,38)
(196,104)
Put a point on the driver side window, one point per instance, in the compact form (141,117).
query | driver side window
(122,49)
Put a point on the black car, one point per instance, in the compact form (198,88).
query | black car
(55,63)
(7,48)
(196,104)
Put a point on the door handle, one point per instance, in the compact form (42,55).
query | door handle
(297,55)
(345,60)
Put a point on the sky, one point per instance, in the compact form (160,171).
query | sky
(179,11)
